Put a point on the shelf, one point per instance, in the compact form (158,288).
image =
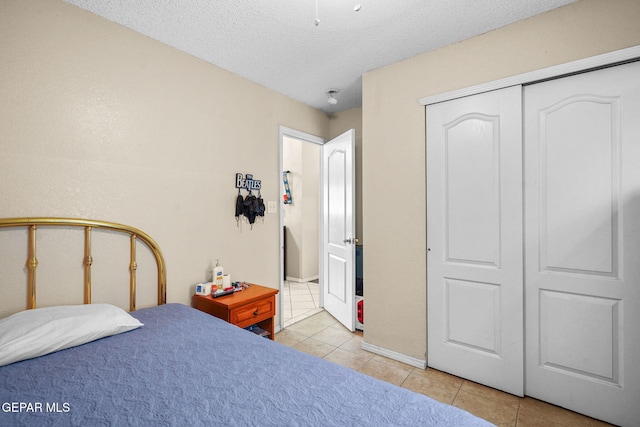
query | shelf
(258,331)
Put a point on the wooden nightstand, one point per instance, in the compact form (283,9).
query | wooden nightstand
(255,305)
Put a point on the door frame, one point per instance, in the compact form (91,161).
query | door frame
(304,137)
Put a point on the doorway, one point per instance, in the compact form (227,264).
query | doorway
(335,244)
(301,229)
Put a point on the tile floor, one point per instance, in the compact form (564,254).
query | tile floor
(301,300)
(321,335)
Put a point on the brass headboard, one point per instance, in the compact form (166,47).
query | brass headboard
(88,224)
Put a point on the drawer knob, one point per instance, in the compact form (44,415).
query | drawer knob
(255,313)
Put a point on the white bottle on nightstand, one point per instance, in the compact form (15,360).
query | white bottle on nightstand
(218,273)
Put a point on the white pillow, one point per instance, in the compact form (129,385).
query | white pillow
(40,331)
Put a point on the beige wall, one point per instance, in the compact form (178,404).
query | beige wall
(310,268)
(394,145)
(302,217)
(101,122)
(292,214)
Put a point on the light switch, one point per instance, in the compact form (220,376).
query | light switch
(272,207)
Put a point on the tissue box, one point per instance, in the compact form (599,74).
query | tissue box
(203,288)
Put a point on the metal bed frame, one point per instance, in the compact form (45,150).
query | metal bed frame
(32,261)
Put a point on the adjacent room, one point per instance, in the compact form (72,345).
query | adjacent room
(450,184)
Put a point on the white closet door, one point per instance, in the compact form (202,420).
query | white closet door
(582,210)
(474,236)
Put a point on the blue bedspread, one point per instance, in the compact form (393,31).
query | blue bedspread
(186,368)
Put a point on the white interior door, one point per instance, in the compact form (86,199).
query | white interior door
(474,238)
(338,231)
(582,190)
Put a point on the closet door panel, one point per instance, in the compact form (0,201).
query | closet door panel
(582,223)
(580,165)
(471,184)
(474,235)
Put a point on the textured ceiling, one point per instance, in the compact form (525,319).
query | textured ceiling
(276,43)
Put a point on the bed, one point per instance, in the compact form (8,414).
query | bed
(184,367)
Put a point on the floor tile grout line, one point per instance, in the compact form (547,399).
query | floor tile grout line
(457,392)
(302,316)
(517,415)
(408,375)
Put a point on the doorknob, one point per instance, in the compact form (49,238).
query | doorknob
(353,240)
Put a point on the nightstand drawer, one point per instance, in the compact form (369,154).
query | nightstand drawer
(249,314)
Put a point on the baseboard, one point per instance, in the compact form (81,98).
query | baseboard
(303,280)
(422,364)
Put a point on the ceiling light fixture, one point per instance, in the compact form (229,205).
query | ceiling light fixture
(332,98)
